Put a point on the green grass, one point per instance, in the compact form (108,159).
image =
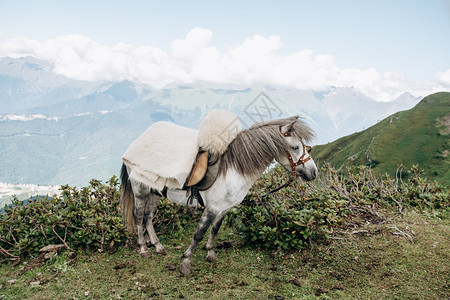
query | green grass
(406,138)
(372,264)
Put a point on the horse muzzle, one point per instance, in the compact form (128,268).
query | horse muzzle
(307,174)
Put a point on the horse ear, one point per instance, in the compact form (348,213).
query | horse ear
(286,128)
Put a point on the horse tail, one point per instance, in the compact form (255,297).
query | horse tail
(126,205)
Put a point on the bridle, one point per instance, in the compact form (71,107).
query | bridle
(301,161)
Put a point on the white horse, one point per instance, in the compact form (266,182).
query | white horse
(243,162)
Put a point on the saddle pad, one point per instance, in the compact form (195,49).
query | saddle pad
(162,156)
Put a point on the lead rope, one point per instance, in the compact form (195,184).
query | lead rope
(263,197)
(294,168)
(291,178)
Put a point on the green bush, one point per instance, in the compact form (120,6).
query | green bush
(304,214)
(288,219)
(419,192)
(291,219)
(172,219)
(82,219)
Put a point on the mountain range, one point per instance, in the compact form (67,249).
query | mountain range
(55,130)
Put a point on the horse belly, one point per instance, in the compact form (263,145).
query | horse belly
(180,197)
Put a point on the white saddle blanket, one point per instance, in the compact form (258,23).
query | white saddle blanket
(162,156)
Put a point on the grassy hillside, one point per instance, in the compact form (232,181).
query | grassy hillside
(372,262)
(416,136)
(369,239)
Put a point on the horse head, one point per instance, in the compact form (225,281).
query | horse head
(297,156)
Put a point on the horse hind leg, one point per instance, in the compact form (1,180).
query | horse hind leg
(211,256)
(152,206)
(141,194)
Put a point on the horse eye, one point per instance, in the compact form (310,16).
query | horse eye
(295,148)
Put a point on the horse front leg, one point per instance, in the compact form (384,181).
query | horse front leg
(211,256)
(205,221)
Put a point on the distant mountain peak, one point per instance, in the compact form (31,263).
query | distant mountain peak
(31,70)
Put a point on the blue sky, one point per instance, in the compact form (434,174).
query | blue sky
(381,47)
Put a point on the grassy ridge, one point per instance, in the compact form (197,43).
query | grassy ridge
(370,262)
(417,136)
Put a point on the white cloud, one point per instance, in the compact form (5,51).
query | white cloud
(190,48)
(255,60)
(443,78)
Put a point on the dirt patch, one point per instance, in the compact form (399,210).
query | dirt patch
(445,121)
(363,215)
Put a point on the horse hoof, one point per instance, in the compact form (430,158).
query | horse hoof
(146,254)
(161,251)
(185,268)
(211,257)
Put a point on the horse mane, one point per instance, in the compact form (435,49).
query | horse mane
(255,148)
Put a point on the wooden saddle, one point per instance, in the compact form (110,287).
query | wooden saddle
(204,172)
(203,175)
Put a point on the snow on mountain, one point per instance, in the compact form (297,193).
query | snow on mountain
(25,118)
(24,191)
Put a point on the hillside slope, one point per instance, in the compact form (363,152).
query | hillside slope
(416,136)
